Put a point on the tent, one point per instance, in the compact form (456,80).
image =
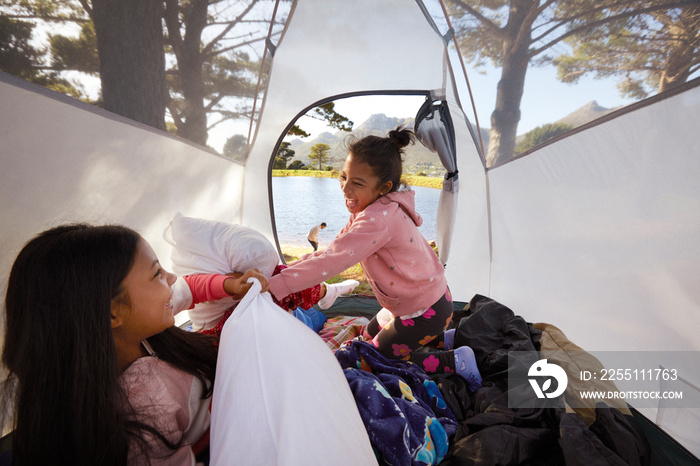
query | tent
(597,232)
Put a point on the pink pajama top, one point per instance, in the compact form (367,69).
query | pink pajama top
(405,273)
(168,398)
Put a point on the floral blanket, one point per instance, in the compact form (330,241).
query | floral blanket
(405,414)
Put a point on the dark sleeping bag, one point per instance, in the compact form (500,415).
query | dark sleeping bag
(490,432)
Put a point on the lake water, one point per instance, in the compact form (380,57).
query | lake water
(301,202)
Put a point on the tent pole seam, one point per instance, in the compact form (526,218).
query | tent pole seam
(490,231)
(466,78)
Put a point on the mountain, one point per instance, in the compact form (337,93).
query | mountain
(583,115)
(589,112)
(417,157)
(379,125)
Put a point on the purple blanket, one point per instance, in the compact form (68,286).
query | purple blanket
(406,417)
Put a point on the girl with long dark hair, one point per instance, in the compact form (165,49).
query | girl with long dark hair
(98,373)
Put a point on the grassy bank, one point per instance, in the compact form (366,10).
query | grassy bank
(309,173)
(411,180)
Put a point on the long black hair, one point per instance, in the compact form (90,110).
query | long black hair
(64,382)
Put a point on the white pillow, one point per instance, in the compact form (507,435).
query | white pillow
(208,246)
(280,395)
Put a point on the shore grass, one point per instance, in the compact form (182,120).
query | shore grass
(309,173)
(423,181)
(410,180)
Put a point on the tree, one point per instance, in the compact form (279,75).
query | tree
(541,134)
(209,79)
(284,155)
(296,165)
(77,54)
(279,164)
(127,37)
(132,60)
(327,113)
(17,55)
(513,34)
(206,72)
(655,51)
(203,76)
(236,148)
(20,58)
(320,152)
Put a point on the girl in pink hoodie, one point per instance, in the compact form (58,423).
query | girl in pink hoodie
(406,275)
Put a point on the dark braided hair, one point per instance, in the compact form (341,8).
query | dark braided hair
(384,155)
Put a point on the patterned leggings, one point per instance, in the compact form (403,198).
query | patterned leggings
(399,338)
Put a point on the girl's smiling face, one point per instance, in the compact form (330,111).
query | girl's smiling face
(360,185)
(148,309)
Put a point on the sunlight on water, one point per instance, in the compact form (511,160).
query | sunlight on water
(302,202)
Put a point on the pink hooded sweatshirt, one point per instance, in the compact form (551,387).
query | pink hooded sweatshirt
(405,273)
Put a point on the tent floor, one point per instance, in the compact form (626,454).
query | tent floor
(664,449)
(363,306)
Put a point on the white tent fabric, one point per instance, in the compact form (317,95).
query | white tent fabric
(381,59)
(605,226)
(64,161)
(600,233)
(597,233)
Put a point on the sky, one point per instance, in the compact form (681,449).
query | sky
(545,101)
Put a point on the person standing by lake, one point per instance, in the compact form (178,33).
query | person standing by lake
(313,235)
(406,275)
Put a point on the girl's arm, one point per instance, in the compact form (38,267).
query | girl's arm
(236,284)
(356,242)
(204,287)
